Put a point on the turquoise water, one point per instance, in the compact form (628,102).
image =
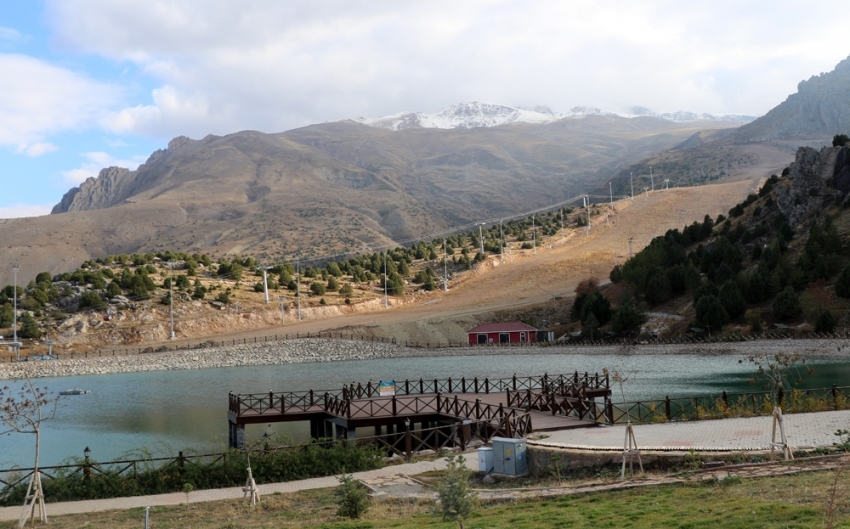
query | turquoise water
(173,410)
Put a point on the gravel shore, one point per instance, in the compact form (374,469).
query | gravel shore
(328,350)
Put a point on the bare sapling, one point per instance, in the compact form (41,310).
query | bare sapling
(777,373)
(630,448)
(23,410)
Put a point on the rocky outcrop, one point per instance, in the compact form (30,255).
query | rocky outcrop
(97,193)
(819,109)
(114,185)
(817,178)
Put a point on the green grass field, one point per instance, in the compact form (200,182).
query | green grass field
(797,501)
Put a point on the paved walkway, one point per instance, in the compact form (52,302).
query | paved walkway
(198,496)
(804,431)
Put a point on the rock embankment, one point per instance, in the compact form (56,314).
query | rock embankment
(330,350)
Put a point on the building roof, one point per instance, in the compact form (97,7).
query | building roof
(508,326)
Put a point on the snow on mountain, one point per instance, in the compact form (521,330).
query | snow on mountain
(463,116)
(474,114)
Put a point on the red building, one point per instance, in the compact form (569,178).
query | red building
(507,332)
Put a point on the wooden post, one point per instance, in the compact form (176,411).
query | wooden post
(667,410)
(487,385)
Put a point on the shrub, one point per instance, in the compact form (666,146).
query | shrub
(710,312)
(317,288)
(92,299)
(346,290)
(351,498)
(333,284)
(840,140)
(223,297)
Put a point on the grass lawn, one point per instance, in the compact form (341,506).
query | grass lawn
(795,501)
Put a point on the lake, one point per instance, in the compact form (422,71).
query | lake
(167,411)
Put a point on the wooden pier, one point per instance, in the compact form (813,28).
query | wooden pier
(511,407)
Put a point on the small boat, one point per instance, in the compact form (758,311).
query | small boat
(75,392)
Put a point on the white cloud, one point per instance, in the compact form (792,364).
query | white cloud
(18,210)
(222,66)
(36,149)
(38,99)
(95,161)
(10,34)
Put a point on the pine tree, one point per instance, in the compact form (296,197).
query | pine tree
(29,327)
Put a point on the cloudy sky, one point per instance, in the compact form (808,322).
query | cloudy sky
(91,83)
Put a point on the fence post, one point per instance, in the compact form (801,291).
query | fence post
(486,384)
(667,408)
(311,397)
(408,440)
(438,402)
(475,383)
(450,384)
(514,381)
(422,387)
(394,407)
(463,384)
(406,387)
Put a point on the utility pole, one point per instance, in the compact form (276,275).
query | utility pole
(298,290)
(265,283)
(651,181)
(502,238)
(587,208)
(666,184)
(171,296)
(533,236)
(611,193)
(481,237)
(563,228)
(630,247)
(386,301)
(632,182)
(646,192)
(15,310)
(282,301)
(445,266)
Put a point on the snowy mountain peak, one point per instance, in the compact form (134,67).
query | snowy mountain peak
(474,114)
(467,115)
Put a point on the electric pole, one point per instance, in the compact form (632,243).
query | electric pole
(15,310)
(481,237)
(630,246)
(632,182)
(502,238)
(171,295)
(533,236)
(298,289)
(265,283)
(445,266)
(386,301)
(563,229)
(282,301)
(651,181)
(611,193)
(587,208)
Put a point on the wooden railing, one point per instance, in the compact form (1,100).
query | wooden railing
(305,401)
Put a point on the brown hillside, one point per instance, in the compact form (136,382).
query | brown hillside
(336,187)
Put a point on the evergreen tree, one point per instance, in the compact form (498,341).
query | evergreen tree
(710,312)
(787,304)
(842,284)
(732,299)
(825,322)
(628,318)
(657,287)
(7,315)
(29,327)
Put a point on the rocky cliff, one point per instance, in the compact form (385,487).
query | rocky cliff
(114,185)
(819,109)
(818,178)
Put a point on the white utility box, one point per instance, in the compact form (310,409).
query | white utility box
(485,459)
